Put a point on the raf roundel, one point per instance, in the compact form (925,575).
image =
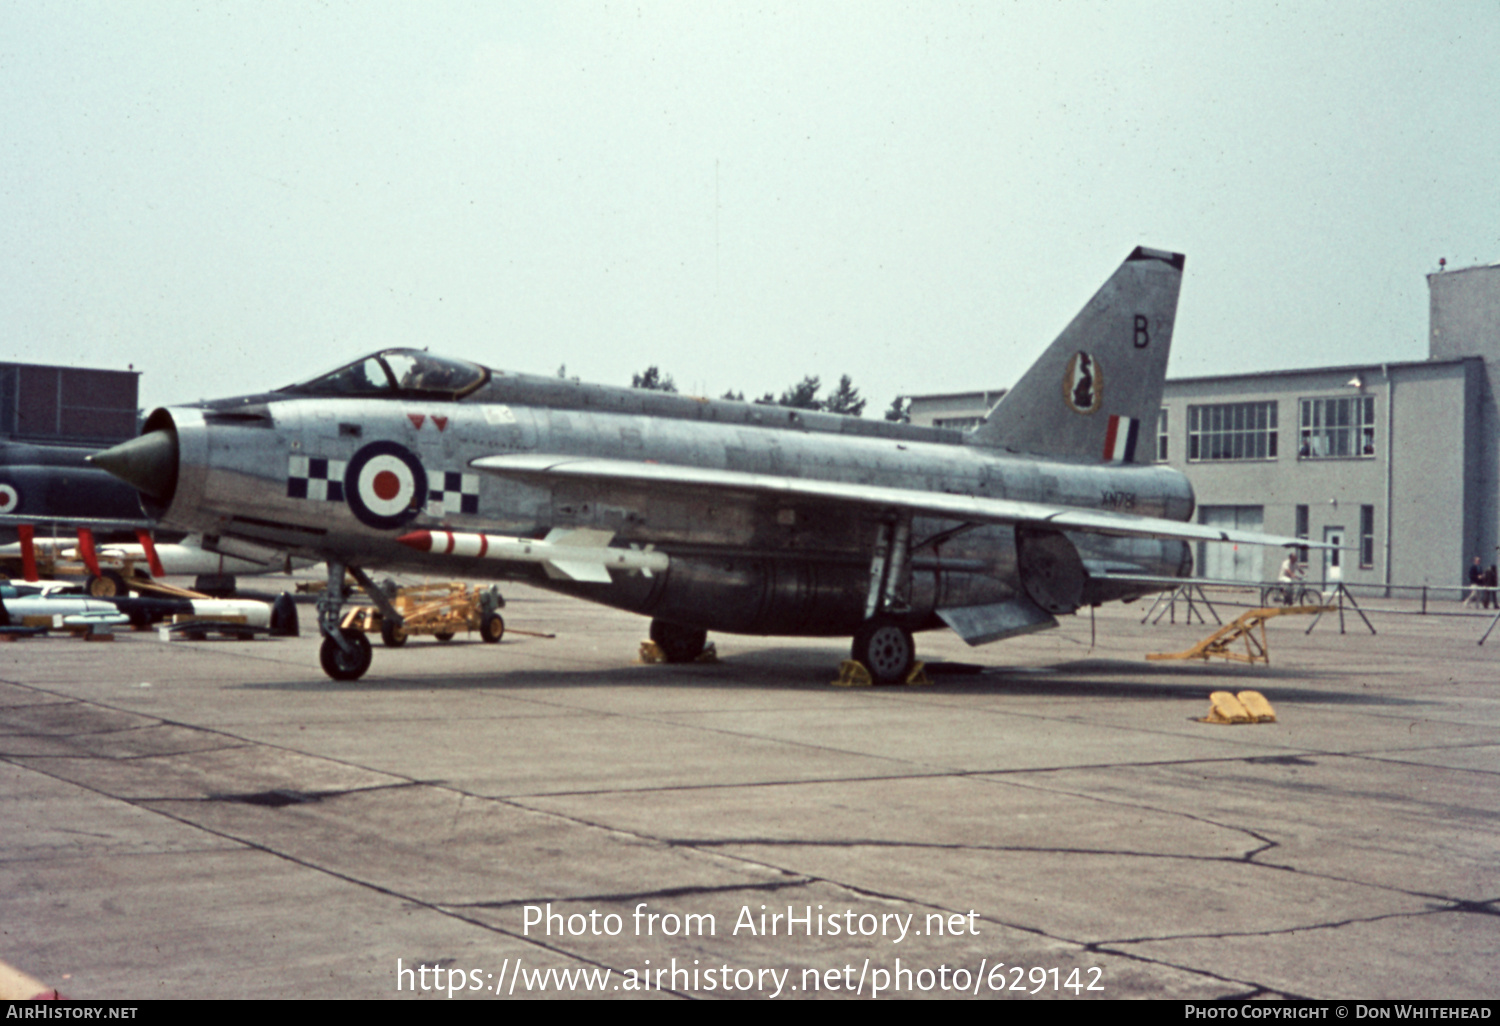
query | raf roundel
(9,498)
(385,485)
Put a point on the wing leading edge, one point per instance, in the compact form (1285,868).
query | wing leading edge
(972,509)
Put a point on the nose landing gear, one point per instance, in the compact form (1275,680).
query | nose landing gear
(346,653)
(347,657)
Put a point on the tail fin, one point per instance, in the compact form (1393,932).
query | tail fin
(1096,391)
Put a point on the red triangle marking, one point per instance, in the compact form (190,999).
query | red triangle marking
(416,419)
(441,422)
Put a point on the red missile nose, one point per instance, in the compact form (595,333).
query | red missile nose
(419,540)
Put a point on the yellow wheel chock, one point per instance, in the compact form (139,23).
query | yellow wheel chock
(1246,707)
(852,674)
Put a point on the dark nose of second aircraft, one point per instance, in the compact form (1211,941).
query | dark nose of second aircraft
(149,463)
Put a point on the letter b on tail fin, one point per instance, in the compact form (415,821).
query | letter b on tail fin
(1097,389)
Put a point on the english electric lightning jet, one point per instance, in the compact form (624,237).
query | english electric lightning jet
(707,515)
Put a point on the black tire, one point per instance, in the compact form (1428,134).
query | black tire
(341,665)
(444,636)
(492,628)
(393,636)
(886,649)
(107,584)
(678,643)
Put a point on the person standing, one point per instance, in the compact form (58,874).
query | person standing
(1476,581)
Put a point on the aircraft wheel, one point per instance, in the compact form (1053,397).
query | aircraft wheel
(341,665)
(393,636)
(492,628)
(886,649)
(107,585)
(678,643)
(444,636)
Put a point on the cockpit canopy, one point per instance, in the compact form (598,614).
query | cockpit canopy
(398,372)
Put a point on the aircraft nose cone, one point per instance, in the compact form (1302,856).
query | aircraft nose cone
(149,463)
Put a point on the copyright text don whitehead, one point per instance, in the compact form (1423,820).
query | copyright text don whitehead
(1339,1011)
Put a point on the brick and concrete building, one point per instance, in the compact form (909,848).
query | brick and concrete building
(67,405)
(1398,462)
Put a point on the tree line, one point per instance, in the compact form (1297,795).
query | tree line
(844,399)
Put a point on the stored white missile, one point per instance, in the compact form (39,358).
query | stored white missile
(575,554)
(66,610)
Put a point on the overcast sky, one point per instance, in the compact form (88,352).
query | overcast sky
(231,197)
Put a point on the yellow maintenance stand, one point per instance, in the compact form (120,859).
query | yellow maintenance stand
(1220,642)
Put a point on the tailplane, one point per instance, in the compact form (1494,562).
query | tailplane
(1096,392)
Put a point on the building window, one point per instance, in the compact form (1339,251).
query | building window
(1232,431)
(1367,536)
(1341,427)
(1301,532)
(961,423)
(1161,436)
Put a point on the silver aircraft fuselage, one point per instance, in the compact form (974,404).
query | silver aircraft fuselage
(273,471)
(709,514)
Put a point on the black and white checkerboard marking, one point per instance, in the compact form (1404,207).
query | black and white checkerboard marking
(315,477)
(322,479)
(451,491)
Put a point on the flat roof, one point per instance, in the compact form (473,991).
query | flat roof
(1340,369)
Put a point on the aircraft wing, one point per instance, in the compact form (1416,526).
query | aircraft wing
(969,508)
(97,523)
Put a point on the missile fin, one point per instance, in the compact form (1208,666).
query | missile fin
(564,570)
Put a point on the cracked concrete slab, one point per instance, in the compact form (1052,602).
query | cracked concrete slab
(441,846)
(126,743)
(1060,891)
(220,819)
(532,754)
(1436,833)
(928,737)
(934,812)
(49,820)
(216,924)
(203,773)
(799,933)
(1428,955)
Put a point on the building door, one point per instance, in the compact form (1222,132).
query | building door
(1333,559)
(1221,561)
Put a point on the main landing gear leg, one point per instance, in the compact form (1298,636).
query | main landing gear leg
(345,654)
(883,644)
